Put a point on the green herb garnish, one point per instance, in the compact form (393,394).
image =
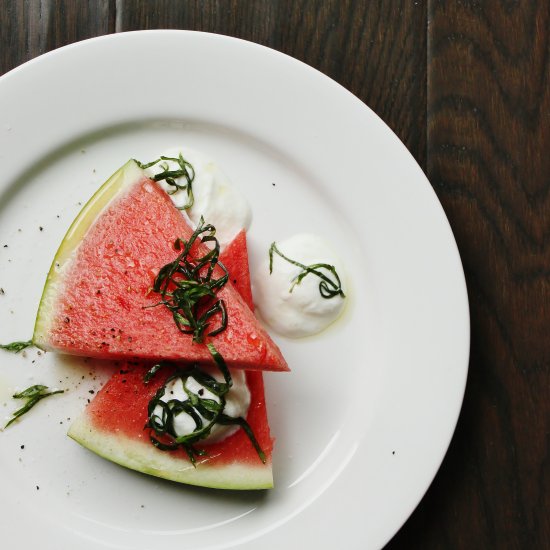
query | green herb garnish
(151,372)
(188,287)
(16,347)
(185,171)
(205,411)
(328,287)
(33,395)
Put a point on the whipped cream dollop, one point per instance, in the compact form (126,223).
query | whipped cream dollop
(237,402)
(297,310)
(216,199)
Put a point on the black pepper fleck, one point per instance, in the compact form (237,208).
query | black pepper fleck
(22,446)
(41,228)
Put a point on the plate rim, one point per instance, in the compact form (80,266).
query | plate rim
(28,66)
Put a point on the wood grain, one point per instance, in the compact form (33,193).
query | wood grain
(32,27)
(488,143)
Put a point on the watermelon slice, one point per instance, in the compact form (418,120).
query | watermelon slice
(235,258)
(97,300)
(112,424)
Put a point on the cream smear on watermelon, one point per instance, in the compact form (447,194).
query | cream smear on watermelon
(216,199)
(302,311)
(237,402)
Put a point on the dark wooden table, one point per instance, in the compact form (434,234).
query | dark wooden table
(466,86)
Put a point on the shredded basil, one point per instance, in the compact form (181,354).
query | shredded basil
(328,288)
(185,171)
(16,347)
(33,395)
(151,372)
(188,288)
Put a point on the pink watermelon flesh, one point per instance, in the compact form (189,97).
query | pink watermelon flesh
(235,258)
(120,409)
(101,307)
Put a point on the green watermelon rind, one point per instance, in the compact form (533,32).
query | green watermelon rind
(142,456)
(114,187)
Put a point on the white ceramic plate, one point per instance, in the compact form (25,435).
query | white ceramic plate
(363,421)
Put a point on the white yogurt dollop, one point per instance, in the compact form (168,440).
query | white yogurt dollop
(215,198)
(237,402)
(304,311)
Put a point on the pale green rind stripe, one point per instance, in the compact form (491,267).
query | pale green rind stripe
(120,181)
(140,455)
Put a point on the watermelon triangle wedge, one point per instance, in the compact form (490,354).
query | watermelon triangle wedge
(112,425)
(97,300)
